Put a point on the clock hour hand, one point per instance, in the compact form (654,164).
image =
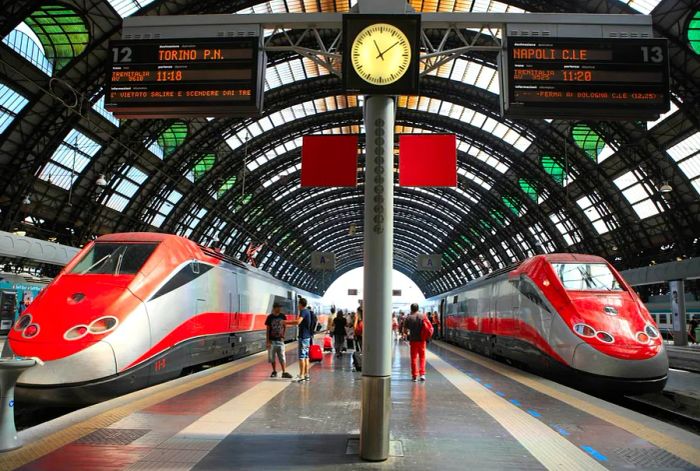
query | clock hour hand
(381,54)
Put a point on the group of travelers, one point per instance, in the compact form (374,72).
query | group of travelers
(347,331)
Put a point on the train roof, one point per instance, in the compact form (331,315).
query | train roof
(550,257)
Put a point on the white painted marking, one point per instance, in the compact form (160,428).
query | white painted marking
(216,425)
(546,445)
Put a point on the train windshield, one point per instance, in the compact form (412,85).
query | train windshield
(586,276)
(114,259)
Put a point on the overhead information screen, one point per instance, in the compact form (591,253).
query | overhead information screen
(576,78)
(185,77)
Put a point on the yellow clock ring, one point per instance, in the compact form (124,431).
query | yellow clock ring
(381,54)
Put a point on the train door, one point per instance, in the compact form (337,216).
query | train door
(233,304)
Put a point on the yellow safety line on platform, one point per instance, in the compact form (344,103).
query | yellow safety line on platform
(546,445)
(687,451)
(33,451)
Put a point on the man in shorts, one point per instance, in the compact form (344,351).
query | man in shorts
(276,328)
(305,334)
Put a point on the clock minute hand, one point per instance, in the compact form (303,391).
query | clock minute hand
(387,49)
(381,54)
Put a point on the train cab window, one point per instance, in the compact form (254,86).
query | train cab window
(586,276)
(114,259)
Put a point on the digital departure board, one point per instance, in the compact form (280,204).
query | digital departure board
(185,77)
(576,78)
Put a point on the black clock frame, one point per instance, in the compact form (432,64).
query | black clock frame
(409,24)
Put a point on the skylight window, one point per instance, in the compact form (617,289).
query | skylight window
(99,106)
(593,214)
(130,183)
(565,227)
(672,109)
(126,7)
(635,191)
(11,103)
(69,159)
(687,155)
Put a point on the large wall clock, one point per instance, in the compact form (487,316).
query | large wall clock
(380,53)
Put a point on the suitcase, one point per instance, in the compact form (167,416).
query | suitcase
(357,361)
(327,344)
(315,353)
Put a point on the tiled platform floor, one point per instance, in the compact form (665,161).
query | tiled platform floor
(472,413)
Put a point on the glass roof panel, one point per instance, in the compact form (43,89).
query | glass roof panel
(513,204)
(62,33)
(23,41)
(126,7)
(227,185)
(11,103)
(204,165)
(694,32)
(69,159)
(99,106)
(588,140)
(643,6)
(528,189)
(172,137)
(672,109)
(553,168)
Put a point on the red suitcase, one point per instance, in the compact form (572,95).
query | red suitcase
(315,353)
(327,344)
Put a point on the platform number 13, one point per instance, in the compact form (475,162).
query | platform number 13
(123,54)
(652,54)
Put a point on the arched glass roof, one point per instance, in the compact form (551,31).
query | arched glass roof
(525,186)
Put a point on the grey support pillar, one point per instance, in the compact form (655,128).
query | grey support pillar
(680,330)
(378,261)
(10,370)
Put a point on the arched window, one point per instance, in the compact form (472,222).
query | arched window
(553,168)
(62,32)
(694,32)
(172,137)
(203,165)
(588,140)
(528,189)
(513,204)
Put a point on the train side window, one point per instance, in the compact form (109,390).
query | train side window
(663,319)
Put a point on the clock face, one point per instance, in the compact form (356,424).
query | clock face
(381,54)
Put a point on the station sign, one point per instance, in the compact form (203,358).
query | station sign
(198,77)
(323,261)
(578,78)
(429,262)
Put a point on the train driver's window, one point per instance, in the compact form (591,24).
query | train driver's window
(586,276)
(114,258)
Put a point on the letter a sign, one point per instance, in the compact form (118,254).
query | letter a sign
(429,262)
(323,261)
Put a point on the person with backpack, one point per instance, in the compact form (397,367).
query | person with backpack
(359,327)
(339,324)
(418,329)
(276,328)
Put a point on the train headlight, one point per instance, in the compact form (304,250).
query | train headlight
(584,330)
(642,338)
(103,325)
(23,322)
(604,337)
(77,332)
(30,331)
(652,331)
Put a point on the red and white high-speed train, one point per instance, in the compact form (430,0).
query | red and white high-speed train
(569,316)
(136,309)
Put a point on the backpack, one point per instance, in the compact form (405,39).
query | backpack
(426,329)
(358,328)
(313,320)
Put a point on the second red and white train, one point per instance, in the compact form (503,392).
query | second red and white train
(567,316)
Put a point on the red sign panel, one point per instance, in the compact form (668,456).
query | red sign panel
(329,161)
(428,160)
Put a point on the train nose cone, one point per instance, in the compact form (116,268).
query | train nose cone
(92,363)
(586,358)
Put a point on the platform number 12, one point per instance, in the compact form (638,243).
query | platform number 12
(654,54)
(123,54)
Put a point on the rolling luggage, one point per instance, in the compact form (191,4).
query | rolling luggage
(357,361)
(327,344)
(315,353)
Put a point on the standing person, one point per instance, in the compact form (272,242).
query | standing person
(339,324)
(359,328)
(350,330)
(276,328)
(305,334)
(412,326)
(436,325)
(394,327)
(691,331)
(329,322)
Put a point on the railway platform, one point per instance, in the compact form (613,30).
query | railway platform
(471,413)
(685,358)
